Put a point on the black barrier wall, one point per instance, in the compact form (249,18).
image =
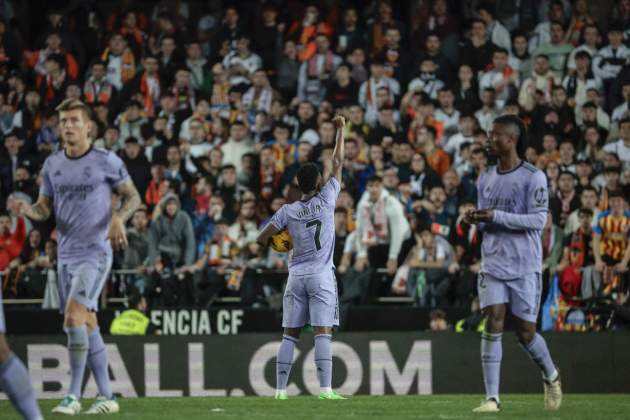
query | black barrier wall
(365,363)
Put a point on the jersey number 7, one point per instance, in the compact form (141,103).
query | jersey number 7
(318,228)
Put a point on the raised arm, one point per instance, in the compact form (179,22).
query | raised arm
(339,151)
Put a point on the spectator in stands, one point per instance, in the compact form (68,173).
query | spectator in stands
(169,59)
(566,200)
(588,201)
(577,261)
(171,235)
(200,70)
(53,83)
(259,96)
(368,92)
(622,146)
(432,51)
(580,79)
(489,110)
(427,81)
(542,80)
(242,62)
(97,89)
(148,84)
(131,120)
(317,71)
(609,60)
(501,77)
(622,111)
(520,59)
(381,230)
(119,60)
(430,260)
(435,157)
(37,59)
(183,90)
(497,33)
(237,145)
(137,164)
(137,252)
(213,263)
(11,242)
(557,49)
(610,239)
(245,229)
(477,50)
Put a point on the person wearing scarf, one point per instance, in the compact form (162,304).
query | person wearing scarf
(182,89)
(305,31)
(97,89)
(316,71)
(381,228)
(121,63)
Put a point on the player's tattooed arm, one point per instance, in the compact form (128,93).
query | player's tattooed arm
(130,200)
(37,212)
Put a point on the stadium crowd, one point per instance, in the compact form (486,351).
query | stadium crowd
(214,107)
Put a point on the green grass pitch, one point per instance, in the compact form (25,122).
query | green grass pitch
(530,406)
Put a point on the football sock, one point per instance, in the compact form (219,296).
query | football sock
(97,362)
(323,360)
(538,351)
(284,361)
(491,354)
(14,380)
(78,344)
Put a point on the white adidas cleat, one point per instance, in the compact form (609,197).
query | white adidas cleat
(104,406)
(488,406)
(69,406)
(553,394)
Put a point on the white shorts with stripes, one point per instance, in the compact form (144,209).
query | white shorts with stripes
(83,279)
(522,295)
(311,299)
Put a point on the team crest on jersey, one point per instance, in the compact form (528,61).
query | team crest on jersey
(87,172)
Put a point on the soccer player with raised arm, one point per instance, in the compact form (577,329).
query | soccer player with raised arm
(78,182)
(512,210)
(310,296)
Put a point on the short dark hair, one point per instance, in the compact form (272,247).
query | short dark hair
(374,178)
(519,128)
(622,121)
(307,177)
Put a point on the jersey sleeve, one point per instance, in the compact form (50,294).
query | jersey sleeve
(330,191)
(279,219)
(46,189)
(115,171)
(597,226)
(538,194)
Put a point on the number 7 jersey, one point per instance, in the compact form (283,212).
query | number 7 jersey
(311,224)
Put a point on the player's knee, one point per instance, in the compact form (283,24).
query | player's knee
(322,330)
(494,322)
(5,351)
(525,336)
(73,319)
(292,332)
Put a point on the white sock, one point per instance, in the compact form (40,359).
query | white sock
(325,390)
(553,376)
